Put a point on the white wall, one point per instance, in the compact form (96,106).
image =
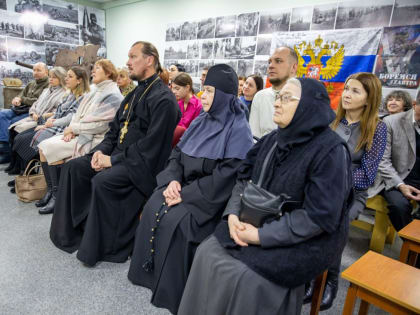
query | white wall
(147,20)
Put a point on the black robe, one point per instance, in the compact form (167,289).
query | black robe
(206,187)
(97,212)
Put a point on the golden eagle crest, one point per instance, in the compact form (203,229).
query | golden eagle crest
(315,68)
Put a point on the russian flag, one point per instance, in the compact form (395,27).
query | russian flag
(331,56)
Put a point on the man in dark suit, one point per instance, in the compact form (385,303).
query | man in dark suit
(398,177)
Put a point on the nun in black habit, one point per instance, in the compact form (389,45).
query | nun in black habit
(97,209)
(192,191)
(242,269)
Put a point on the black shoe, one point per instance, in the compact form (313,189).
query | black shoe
(309,292)
(49,207)
(44,201)
(330,292)
(14,171)
(9,167)
(13,190)
(4,158)
(11,183)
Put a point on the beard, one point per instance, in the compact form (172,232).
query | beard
(278,81)
(138,77)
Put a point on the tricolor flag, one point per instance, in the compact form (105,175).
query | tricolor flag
(331,56)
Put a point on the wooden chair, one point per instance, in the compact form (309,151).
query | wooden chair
(382,230)
(318,292)
(411,243)
(387,283)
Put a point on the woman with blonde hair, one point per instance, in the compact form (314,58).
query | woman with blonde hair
(43,108)
(124,81)
(87,127)
(357,122)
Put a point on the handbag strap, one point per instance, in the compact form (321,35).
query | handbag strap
(265,163)
(28,167)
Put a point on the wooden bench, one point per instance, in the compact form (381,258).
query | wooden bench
(387,283)
(382,230)
(411,243)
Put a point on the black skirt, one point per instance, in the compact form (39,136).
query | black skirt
(22,145)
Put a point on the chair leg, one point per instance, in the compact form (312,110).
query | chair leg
(390,237)
(377,241)
(318,292)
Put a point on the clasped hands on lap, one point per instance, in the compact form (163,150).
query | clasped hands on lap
(242,233)
(100,161)
(48,124)
(17,101)
(172,193)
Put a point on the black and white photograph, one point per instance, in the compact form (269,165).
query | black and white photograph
(240,48)
(21,6)
(173,32)
(232,48)
(190,66)
(323,17)
(12,70)
(301,19)
(193,50)
(364,13)
(260,67)
(263,45)
(274,21)
(219,48)
(27,51)
(10,25)
(92,26)
(52,49)
(225,26)
(168,62)
(56,31)
(202,64)
(3,4)
(61,11)
(232,63)
(207,49)
(3,49)
(175,50)
(406,12)
(206,28)
(189,31)
(34,31)
(245,67)
(247,24)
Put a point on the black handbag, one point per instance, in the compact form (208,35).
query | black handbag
(259,206)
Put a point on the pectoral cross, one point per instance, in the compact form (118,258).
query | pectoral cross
(124,131)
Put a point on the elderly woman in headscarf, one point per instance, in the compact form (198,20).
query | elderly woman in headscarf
(43,108)
(192,191)
(244,269)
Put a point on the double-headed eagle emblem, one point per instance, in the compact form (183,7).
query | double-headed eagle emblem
(315,68)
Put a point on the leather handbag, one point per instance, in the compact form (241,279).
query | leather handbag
(259,206)
(30,187)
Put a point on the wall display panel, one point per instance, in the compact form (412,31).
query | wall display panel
(364,13)
(406,12)
(35,30)
(189,30)
(301,19)
(206,28)
(322,35)
(27,51)
(398,63)
(323,17)
(61,11)
(12,70)
(247,24)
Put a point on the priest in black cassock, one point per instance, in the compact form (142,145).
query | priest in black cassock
(102,193)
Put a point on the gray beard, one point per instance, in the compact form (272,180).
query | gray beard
(138,77)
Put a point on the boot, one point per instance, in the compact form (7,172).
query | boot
(43,202)
(330,291)
(11,183)
(54,171)
(309,291)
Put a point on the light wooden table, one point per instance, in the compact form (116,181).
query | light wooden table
(411,242)
(387,283)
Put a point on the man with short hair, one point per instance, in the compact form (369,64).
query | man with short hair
(101,194)
(282,65)
(20,107)
(398,178)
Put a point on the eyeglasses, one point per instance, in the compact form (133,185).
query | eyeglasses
(286,98)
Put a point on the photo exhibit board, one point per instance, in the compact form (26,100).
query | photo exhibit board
(35,30)
(245,40)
